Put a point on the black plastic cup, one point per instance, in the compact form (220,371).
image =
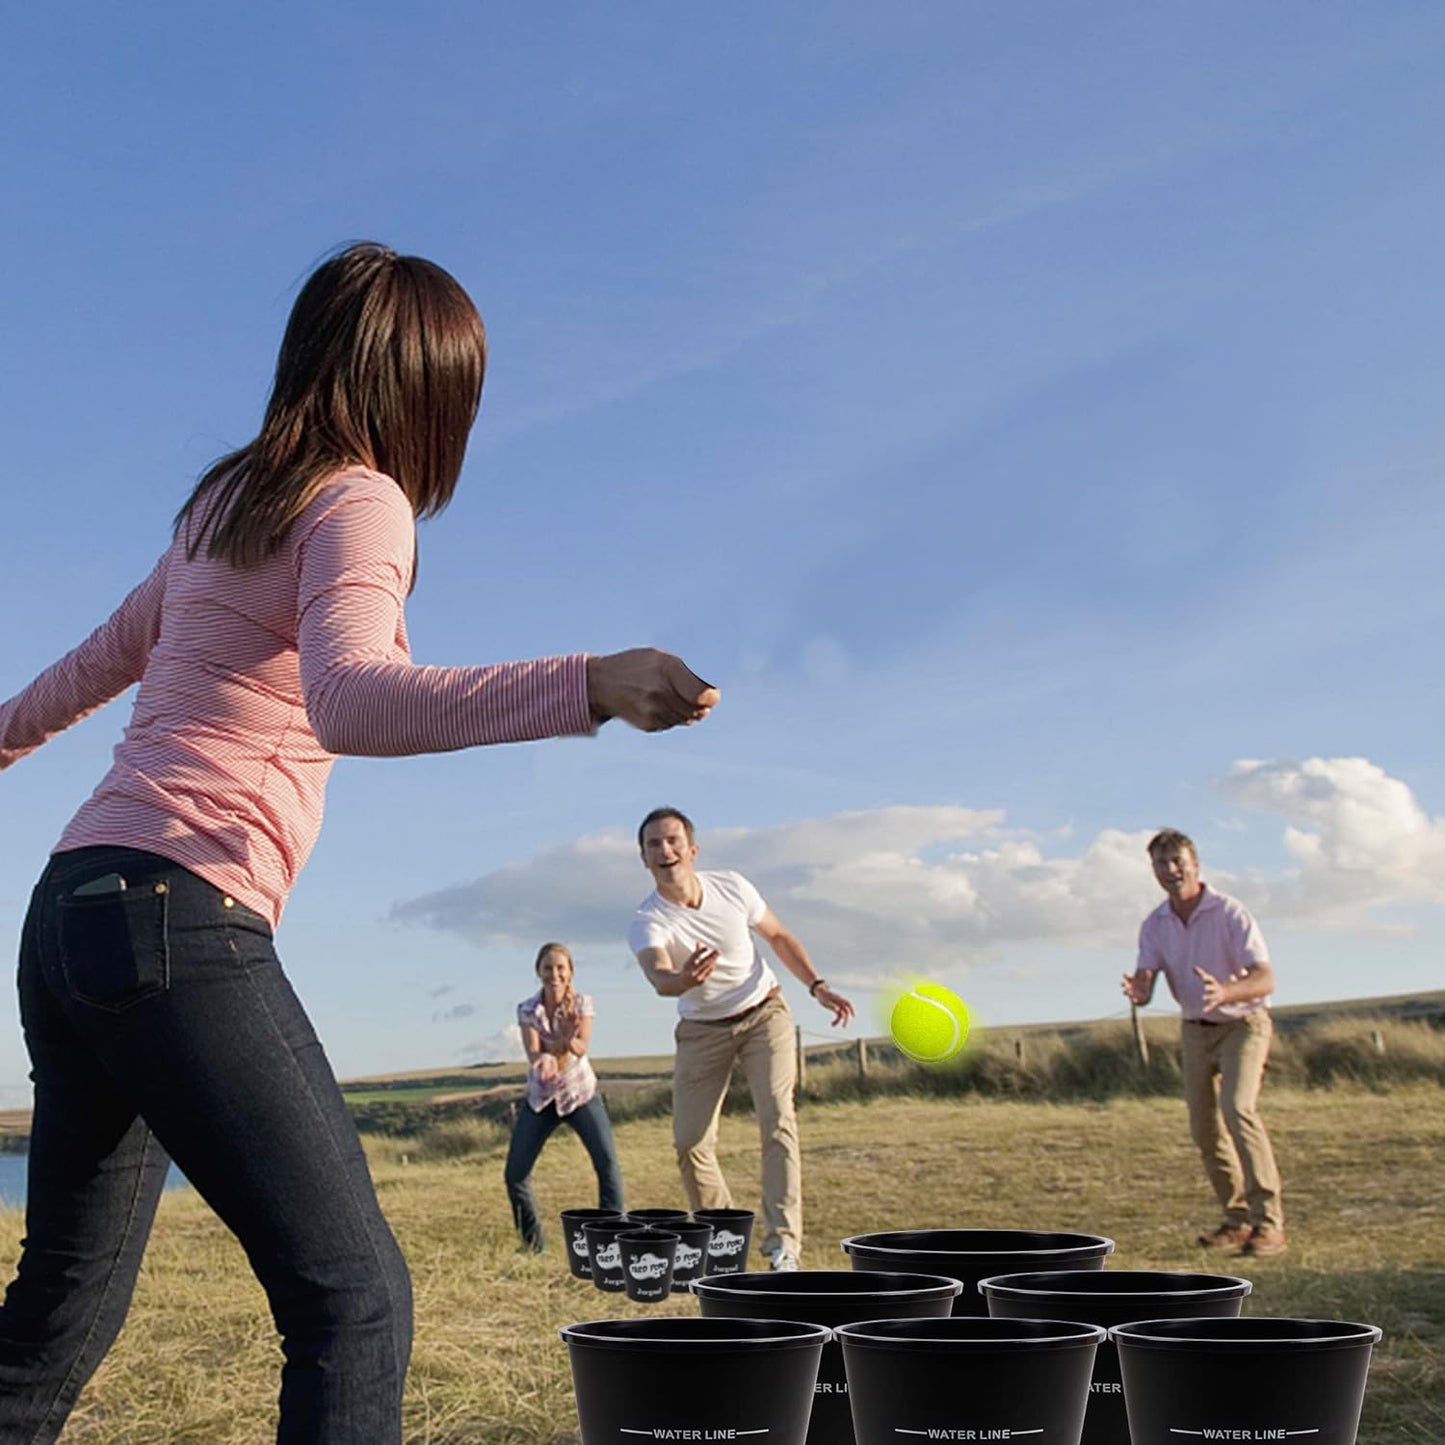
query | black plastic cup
(828,1297)
(605,1253)
(657,1218)
(578,1260)
(732,1233)
(969,1255)
(694,1379)
(1111,1297)
(647,1256)
(968,1378)
(1252,1378)
(690,1262)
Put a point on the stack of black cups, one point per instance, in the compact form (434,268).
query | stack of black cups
(651,1254)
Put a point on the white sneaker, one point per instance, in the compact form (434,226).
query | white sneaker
(782,1260)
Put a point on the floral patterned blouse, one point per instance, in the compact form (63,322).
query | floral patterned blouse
(574,1083)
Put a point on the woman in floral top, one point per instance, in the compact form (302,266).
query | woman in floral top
(556,1024)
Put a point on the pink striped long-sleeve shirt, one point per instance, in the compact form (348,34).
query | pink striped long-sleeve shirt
(251,682)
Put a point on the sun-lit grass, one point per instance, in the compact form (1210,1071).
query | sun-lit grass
(197,1361)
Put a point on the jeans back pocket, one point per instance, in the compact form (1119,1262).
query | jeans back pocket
(113,946)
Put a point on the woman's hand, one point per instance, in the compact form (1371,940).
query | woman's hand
(546,1067)
(650,689)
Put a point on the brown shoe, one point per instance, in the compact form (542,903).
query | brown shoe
(1265,1240)
(1227,1236)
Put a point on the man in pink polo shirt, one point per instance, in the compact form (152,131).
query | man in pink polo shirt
(1214,959)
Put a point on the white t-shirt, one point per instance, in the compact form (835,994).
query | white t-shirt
(724,920)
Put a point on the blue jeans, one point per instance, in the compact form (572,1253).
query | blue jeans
(531,1131)
(160,1026)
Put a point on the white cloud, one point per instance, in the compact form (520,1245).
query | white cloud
(577,892)
(1359,840)
(504,1047)
(931,888)
(942,889)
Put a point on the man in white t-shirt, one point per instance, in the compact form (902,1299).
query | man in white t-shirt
(694,939)
(1214,959)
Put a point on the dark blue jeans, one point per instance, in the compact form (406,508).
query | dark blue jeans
(160,1026)
(531,1131)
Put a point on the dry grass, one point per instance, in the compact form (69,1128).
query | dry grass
(197,1362)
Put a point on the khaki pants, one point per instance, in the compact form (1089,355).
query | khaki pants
(762,1042)
(1223,1069)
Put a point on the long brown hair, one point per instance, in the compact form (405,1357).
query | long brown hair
(569,998)
(381,365)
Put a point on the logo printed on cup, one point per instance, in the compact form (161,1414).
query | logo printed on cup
(725,1244)
(579,1245)
(609,1256)
(688,1257)
(648,1266)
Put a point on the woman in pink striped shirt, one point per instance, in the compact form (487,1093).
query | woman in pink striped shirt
(269,638)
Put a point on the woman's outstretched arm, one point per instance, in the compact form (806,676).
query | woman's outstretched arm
(112,658)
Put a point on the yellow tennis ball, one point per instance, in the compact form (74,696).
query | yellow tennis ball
(929,1023)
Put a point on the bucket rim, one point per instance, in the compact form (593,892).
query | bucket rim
(796,1285)
(1245,1332)
(1221,1286)
(699,1333)
(934,1331)
(872,1240)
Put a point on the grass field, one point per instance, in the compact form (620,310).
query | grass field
(197,1361)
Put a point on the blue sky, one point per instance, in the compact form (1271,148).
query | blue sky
(1028,416)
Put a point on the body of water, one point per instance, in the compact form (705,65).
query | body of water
(12,1180)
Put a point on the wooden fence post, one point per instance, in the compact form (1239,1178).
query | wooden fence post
(862,1058)
(1141,1041)
(802,1061)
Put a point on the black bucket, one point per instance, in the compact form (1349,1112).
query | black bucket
(694,1379)
(575,1241)
(826,1297)
(732,1232)
(1245,1379)
(969,1255)
(647,1257)
(690,1262)
(657,1218)
(968,1378)
(1111,1297)
(604,1252)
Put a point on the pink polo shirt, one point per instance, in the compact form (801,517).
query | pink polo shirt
(1221,937)
(251,682)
